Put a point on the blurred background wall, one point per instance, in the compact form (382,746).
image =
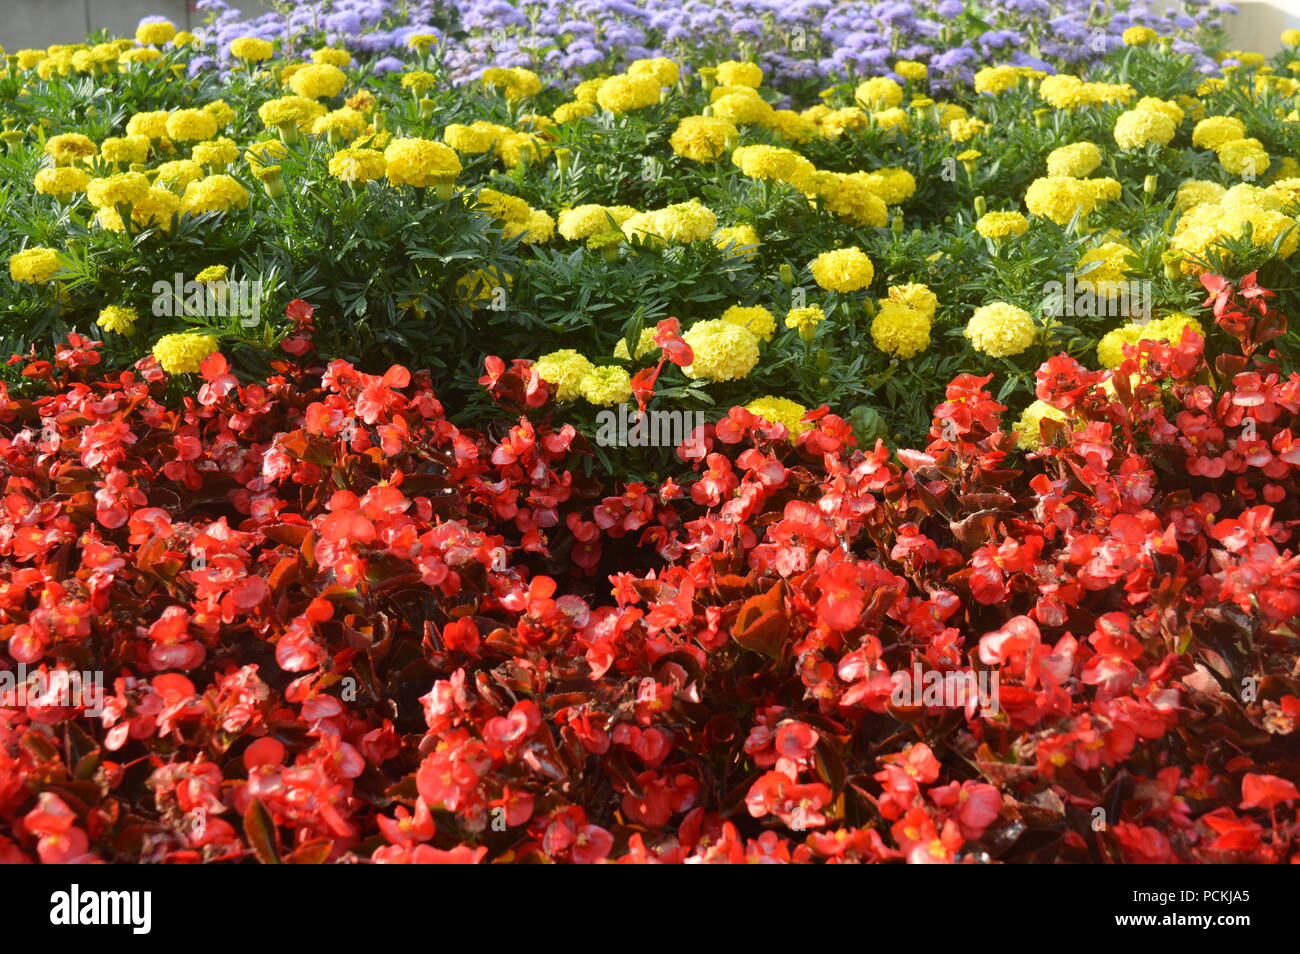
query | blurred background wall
(38,23)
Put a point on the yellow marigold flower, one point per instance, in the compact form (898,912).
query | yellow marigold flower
(623,93)
(331,56)
(1163,106)
(756,319)
(606,385)
(1266,226)
(585,92)
(143,55)
(743,109)
(783,411)
(1137,127)
(892,119)
(263,152)
(843,270)
(772,162)
(125,150)
(661,69)
(1104,189)
(1029,434)
(703,138)
(61,181)
(34,265)
(1059,197)
(420,42)
(911,70)
(27,59)
(645,345)
(997,79)
(737,240)
(848,197)
(583,221)
(117,319)
(121,189)
(1110,349)
(362,100)
(1064,91)
(473,139)
(1001,330)
(683,222)
(217,193)
(346,123)
(791,126)
(1196,192)
(736,73)
(1111,263)
(1139,36)
(893,185)
(723,351)
(899,330)
(1108,93)
(838,121)
(916,296)
(499,205)
(357,165)
(1076,160)
(184,38)
(419,81)
(215,152)
(879,92)
(1246,196)
(805,320)
(69,147)
(1291,37)
(482,284)
(961,130)
(152,125)
(183,353)
(421,162)
(537,229)
(514,148)
(568,112)
(190,125)
(213,273)
(158,208)
(566,369)
(251,49)
(1244,157)
(290,111)
(516,82)
(1287,191)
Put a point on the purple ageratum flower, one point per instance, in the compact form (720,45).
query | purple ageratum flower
(1021,58)
(999,39)
(389,64)
(948,9)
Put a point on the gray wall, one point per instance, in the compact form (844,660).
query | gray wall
(39,23)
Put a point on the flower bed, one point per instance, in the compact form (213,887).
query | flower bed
(339,626)
(450,437)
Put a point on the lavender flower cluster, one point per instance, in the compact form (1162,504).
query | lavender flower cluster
(567,40)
